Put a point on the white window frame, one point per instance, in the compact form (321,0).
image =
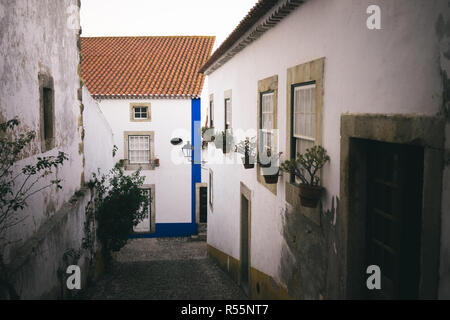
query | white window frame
(267,132)
(311,113)
(130,160)
(140,112)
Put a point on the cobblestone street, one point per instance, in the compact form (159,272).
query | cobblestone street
(165,269)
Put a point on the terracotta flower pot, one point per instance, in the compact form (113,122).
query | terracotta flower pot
(310,195)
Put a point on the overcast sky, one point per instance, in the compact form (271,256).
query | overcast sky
(162,17)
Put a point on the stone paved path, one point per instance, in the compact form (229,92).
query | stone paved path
(165,269)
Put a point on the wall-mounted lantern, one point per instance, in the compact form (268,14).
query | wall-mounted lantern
(187,150)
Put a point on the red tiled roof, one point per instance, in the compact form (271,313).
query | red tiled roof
(165,66)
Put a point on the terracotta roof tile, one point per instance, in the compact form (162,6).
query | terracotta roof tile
(157,66)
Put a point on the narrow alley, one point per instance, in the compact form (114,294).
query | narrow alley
(164,269)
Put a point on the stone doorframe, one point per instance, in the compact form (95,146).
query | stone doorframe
(424,131)
(197,200)
(247,193)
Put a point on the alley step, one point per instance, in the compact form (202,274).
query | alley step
(201,227)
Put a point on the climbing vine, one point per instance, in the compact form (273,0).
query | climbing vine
(17,185)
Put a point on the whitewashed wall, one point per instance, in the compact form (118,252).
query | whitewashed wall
(98,141)
(36,37)
(170,118)
(379,71)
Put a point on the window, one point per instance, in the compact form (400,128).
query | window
(304,117)
(227,113)
(266,121)
(139,149)
(147,225)
(304,107)
(140,113)
(210,189)
(47,112)
(211,114)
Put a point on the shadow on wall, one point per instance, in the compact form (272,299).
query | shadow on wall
(309,258)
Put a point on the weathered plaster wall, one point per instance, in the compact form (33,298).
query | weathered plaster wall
(38,36)
(393,70)
(169,118)
(98,138)
(42,36)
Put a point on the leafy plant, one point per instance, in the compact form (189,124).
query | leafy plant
(208,134)
(247,147)
(306,167)
(18,185)
(120,205)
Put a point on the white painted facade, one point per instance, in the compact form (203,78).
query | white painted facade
(41,37)
(366,71)
(170,118)
(99,142)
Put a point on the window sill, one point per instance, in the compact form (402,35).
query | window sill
(136,166)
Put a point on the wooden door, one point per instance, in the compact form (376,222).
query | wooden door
(394,202)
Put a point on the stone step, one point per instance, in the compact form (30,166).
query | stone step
(201,227)
(198,237)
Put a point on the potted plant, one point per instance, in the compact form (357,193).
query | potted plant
(156,162)
(247,147)
(306,167)
(269,166)
(208,134)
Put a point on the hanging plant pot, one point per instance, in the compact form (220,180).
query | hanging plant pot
(270,177)
(310,195)
(265,165)
(247,163)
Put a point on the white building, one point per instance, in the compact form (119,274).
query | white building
(40,85)
(374,94)
(149,89)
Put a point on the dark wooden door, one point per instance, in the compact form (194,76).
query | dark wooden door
(245,246)
(394,202)
(203,205)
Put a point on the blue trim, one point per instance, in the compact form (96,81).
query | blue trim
(196,174)
(167,230)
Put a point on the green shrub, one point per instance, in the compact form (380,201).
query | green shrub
(120,205)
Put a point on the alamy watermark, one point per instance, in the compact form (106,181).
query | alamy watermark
(74,280)
(374,280)
(373,22)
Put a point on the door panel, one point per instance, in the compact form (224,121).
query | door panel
(203,205)
(394,200)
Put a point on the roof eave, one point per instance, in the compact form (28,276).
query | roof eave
(277,13)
